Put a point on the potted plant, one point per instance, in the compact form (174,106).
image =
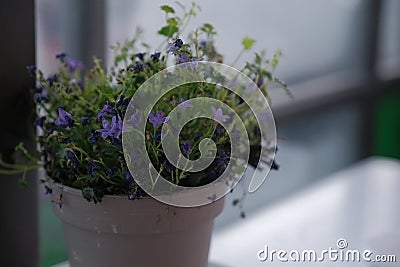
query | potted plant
(93,126)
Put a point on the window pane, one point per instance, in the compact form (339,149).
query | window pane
(389,41)
(316,37)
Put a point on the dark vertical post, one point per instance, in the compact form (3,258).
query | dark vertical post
(371,28)
(83,29)
(18,206)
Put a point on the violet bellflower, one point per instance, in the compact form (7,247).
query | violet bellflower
(156,56)
(183,58)
(52,79)
(93,137)
(113,128)
(223,159)
(120,101)
(218,115)
(64,119)
(86,120)
(186,147)
(92,168)
(106,111)
(135,120)
(183,105)
(157,119)
(73,64)
(175,46)
(195,63)
(140,55)
(61,56)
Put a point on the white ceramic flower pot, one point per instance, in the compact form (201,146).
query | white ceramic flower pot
(146,233)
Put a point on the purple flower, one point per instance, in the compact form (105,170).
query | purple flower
(109,172)
(40,98)
(105,112)
(64,119)
(41,94)
(219,129)
(183,58)
(203,43)
(113,128)
(223,159)
(263,117)
(157,119)
(250,88)
(120,101)
(39,122)
(52,79)
(183,105)
(93,137)
(72,158)
(86,120)
(73,64)
(175,46)
(140,56)
(128,175)
(259,81)
(186,146)
(61,56)
(92,168)
(135,120)
(233,82)
(195,63)
(156,56)
(157,138)
(218,115)
(137,67)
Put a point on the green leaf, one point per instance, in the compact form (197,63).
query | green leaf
(248,43)
(172,22)
(118,59)
(167,9)
(208,28)
(258,59)
(89,194)
(168,30)
(78,184)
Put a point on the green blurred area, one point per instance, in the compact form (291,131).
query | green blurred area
(387,126)
(52,245)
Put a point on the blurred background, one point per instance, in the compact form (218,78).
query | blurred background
(341,60)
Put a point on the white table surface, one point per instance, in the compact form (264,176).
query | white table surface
(360,204)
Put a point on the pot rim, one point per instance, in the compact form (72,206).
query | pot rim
(78,192)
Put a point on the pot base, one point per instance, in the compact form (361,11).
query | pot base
(120,233)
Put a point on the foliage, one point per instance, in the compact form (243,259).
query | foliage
(80,113)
